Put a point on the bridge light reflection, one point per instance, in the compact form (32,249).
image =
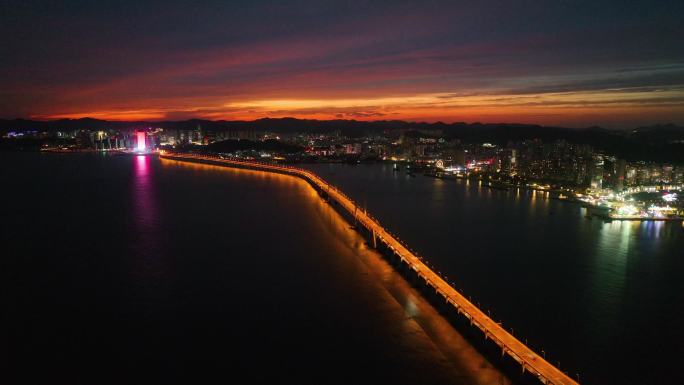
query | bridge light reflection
(510,345)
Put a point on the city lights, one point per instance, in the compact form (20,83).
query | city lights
(140,135)
(174,177)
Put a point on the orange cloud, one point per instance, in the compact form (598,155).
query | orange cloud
(572,108)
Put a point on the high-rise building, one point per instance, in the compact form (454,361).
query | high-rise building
(596,172)
(141,141)
(666,175)
(619,176)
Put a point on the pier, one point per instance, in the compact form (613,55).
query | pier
(528,360)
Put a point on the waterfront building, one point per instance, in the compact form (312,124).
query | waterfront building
(620,167)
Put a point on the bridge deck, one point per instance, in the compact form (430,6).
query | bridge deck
(526,357)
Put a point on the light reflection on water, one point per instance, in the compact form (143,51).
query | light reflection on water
(143,197)
(602,298)
(150,269)
(169,273)
(578,287)
(422,329)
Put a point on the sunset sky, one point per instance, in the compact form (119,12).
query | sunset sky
(569,63)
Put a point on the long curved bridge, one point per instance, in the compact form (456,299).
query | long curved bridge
(528,360)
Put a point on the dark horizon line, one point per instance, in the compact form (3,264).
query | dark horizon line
(409,122)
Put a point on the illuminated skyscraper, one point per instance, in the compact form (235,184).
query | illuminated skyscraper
(620,170)
(141,140)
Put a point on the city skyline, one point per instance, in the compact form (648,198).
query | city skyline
(573,65)
(342,192)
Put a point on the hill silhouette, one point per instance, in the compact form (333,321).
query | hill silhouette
(662,143)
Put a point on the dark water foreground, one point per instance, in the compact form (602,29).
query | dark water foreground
(600,299)
(136,270)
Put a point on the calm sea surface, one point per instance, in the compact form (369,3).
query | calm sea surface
(605,300)
(125,269)
(129,269)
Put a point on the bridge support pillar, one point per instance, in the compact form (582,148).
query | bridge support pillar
(375,240)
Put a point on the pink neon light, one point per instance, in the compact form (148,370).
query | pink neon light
(141,141)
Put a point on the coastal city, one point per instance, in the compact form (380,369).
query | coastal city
(610,187)
(342,192)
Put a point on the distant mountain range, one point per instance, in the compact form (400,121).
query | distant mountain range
(663,143)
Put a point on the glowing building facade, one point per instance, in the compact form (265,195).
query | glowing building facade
(142,146)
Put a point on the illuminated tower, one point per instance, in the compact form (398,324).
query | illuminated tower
(141,140)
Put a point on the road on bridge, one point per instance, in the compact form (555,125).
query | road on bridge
(517,350)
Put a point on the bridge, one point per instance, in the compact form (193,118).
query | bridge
(528,360)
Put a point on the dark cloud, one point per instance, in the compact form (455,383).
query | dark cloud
(59,57)
(363,115)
